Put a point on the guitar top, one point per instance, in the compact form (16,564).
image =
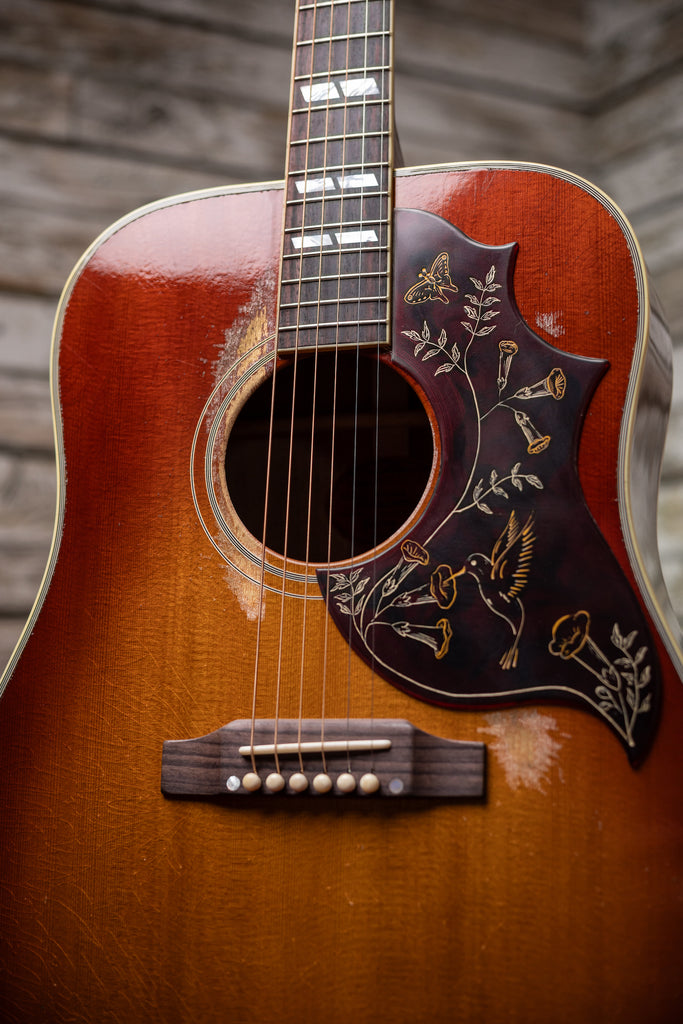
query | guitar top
(352,691)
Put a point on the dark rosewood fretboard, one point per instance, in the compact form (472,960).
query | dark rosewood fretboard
(335,282)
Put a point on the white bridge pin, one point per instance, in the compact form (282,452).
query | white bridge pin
(346,782)
(369,783)
(275,782)
(298,782)
(251,782)
(322,783)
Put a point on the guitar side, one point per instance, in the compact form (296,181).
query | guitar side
(558,898)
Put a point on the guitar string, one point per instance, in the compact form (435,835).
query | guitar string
(384,213)
(385,114)
(262,569)
(361,218)
(335,376)
(387,160)
(354,475)
(303,208)
(333,429)
(314,397)
(269,457)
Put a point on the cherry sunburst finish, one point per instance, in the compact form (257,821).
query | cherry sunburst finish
(550,890)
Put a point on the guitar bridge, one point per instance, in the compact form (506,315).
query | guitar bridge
(340,757)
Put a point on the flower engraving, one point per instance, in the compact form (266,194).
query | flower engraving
(622,682)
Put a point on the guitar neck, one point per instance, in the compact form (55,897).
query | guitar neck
(334,284)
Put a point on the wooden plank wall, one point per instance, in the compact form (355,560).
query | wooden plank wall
(108,104)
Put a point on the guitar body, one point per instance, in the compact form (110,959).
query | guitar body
(557,898)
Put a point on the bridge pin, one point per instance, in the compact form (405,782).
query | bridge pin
(251,782)
(275,782)
(298,782)
(322,783)
(369,783)
(346,782)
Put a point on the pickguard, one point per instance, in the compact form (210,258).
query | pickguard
(504,591)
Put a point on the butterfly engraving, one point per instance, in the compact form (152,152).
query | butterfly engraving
(433,283)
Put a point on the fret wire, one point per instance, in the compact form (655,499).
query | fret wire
(328,3)
(334,252)
(332,323)
(319,123)
(349,105)
(340,39)
(335,301)
(337,167)
(339,138)
(333,225)
(334,277)
(339,74)
(339,197)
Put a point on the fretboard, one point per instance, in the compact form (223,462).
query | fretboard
(334,281)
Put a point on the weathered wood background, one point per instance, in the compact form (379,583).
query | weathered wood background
(108,104)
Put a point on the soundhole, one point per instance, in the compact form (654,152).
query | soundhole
(361,454)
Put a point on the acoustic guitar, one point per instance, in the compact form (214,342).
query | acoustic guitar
(352,691)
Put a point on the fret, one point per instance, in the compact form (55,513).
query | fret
(346,166)
(362,104)
(340,138)
(336,300)
(319,324)
(335,226)
(322,279)
(343,74)
(342,38)
(382,193)
(296,255)
(328,225)
(329,3)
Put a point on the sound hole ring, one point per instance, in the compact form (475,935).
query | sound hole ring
(236,542)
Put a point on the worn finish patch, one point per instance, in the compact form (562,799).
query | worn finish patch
(551,323)
(251,600)
(524,746)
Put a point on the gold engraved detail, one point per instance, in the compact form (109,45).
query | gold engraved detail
(433,283)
